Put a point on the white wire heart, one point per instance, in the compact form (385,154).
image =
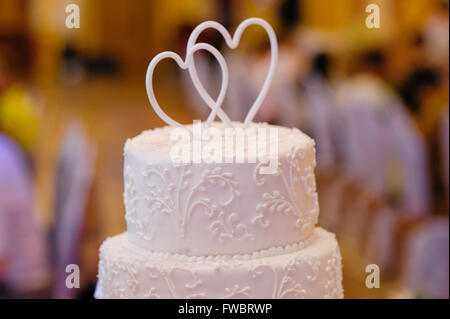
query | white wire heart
(233,43)
(214,105)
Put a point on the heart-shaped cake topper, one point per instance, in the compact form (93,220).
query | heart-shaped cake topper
(214,105)
(233,43)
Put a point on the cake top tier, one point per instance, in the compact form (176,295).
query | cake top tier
(220,208)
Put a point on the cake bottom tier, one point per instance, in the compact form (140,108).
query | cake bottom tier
(309,270)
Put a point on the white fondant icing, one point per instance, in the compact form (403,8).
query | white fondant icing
(230,208)
(312,271)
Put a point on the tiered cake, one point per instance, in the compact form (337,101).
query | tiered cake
(220,227)
(220,230)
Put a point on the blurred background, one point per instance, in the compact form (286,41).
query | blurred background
(375,101)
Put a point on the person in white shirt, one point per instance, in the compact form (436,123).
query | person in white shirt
(383,147)
(320,104)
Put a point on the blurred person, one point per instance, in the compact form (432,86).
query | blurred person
(382,146)
(241,93)
(281,105)
(23,268)
(320,102)
(425,93)
(424,87)
(23,258)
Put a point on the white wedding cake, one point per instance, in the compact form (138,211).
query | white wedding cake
(220,228)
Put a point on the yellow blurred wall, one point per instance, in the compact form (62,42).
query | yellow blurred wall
(135,30)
